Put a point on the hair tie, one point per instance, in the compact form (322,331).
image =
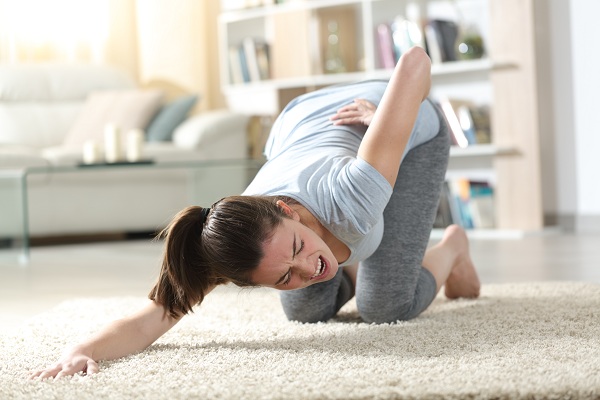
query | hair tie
(204,215)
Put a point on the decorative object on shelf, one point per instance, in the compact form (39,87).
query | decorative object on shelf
(91,152)
(135,143)
(470,45)
(112,143)
(333,57)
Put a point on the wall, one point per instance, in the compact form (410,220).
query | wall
(567,70)
(177,48)
(586,84)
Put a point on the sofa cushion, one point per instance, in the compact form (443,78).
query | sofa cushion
(217,134)
(127,109)
(169,117)
(36,124)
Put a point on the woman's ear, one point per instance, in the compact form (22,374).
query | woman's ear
(288,210)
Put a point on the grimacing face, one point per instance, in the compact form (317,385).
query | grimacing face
(295,257)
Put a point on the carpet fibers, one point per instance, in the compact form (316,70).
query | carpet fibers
(537,340)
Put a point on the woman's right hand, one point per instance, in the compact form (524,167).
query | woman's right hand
(72,362)
(360,112)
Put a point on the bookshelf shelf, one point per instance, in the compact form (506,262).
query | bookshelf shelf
(272,9)
(503,81)
(437,70)
(482,150)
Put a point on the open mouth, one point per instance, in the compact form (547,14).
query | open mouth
(321,268)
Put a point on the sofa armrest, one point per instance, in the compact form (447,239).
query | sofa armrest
(201,130)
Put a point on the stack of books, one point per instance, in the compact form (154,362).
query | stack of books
(467,203)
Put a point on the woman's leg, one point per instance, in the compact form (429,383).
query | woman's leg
(450,263)
(392,284)
(318,302)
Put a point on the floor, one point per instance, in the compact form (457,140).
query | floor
(128,268)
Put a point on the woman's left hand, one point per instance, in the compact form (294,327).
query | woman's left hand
(359,112)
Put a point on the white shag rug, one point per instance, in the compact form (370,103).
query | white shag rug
(517,341)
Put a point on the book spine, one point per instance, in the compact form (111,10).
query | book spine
(243,64)
(249,49)
(385,46)
(235,67)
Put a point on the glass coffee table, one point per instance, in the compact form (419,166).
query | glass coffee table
(14,203)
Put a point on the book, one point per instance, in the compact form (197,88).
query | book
(463,113)
(480,114)
(443,216)
(405,34)
(443,35)
(385,47)
(262,59)
(243,64)
(236,75)
(465,202)
(469,123)
(460,196)
(249,49)
(457,136)
(481,204)
(432,45)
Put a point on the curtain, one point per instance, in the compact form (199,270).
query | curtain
(164,43)
(65,30)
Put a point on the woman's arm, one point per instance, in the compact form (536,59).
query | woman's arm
(122,337)
(393,121)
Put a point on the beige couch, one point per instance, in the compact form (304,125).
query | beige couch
(48,112)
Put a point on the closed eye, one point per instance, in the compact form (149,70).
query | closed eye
(288,278)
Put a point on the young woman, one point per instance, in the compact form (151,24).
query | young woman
(352,180)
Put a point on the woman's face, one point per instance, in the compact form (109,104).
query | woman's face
(295,257)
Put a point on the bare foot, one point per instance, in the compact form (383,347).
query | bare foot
(463,280)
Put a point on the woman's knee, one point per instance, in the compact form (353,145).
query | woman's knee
(374,312)
(302,309)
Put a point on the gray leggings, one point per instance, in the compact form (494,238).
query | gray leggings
(391,285)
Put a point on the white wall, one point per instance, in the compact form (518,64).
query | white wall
(568,63)
(586,87)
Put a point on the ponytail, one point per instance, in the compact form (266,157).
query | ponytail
(209,247)
(184,277)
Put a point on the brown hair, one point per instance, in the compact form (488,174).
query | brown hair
(227,247)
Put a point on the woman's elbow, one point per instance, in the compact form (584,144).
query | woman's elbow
(417,58)
(418,64)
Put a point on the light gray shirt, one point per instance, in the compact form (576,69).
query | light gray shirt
(315,162)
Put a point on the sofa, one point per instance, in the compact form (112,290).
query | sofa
(50,112)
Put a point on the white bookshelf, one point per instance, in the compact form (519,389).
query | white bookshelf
(503,80)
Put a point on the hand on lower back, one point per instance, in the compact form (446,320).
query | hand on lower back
(359,112)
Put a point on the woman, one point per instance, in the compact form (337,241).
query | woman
(337,170)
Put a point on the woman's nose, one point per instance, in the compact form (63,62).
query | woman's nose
(306,269)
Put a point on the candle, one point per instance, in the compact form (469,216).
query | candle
(135,141)
(91,152)
(112,143)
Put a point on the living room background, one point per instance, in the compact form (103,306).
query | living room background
(173,45)
(161,44)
